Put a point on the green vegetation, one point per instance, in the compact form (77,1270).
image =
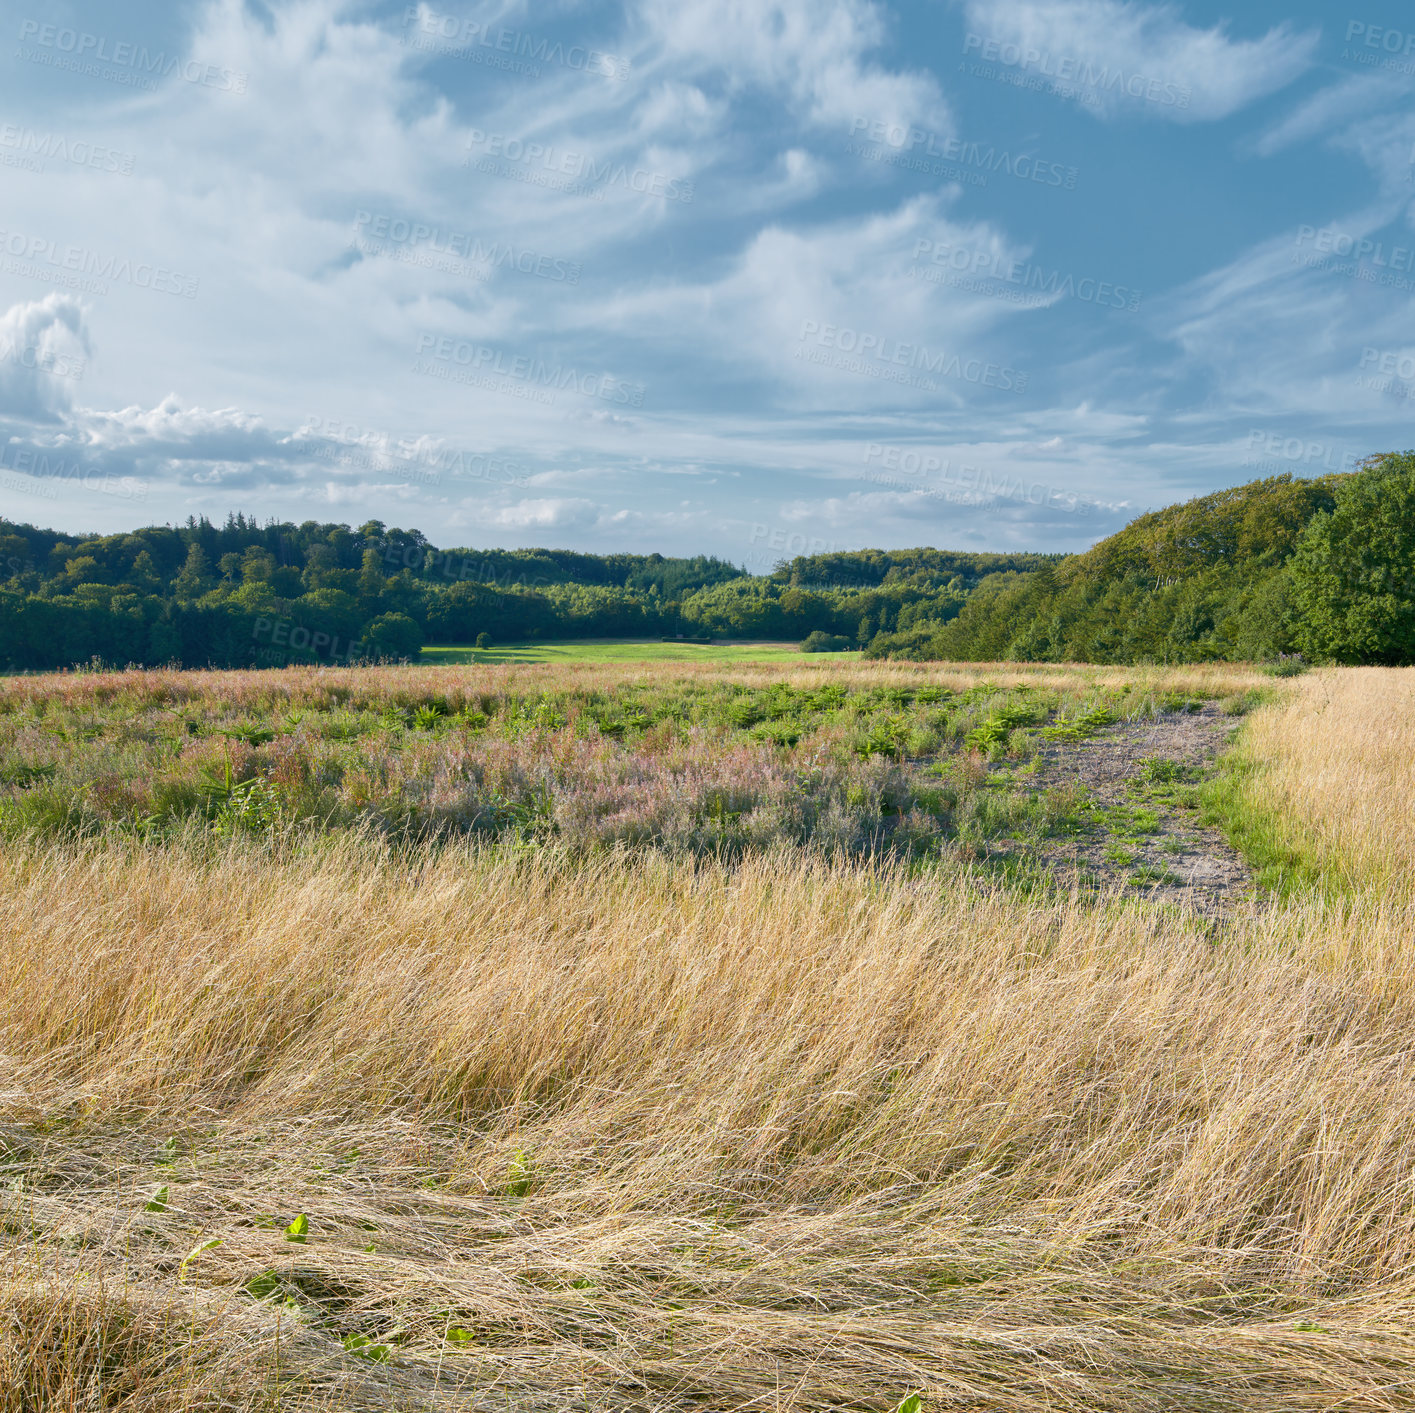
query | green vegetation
(868,762)
(251,595)
(1322,568)
(1353,576)
(613,650)
(1231,801)
(819,642)
(1280,571)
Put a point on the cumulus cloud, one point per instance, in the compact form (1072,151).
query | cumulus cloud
(44,349)
(1123,56)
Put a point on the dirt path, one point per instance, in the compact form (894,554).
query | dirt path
(1138,827)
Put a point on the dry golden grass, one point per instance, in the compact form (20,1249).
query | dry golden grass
(660,1136)
(1338,754)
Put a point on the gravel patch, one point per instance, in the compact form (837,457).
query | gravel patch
(1138,833)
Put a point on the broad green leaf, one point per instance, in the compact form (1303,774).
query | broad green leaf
(194,1253)
(365,1348)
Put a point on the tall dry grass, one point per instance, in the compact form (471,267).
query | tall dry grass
(1336,761)
(635,1134)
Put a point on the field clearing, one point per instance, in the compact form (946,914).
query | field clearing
(616,1127)
(614,650)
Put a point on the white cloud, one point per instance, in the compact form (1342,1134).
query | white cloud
(44,348)
(171,429)
(1126,56)
(810,52)
(797,296)
(1332,109)
(546,513)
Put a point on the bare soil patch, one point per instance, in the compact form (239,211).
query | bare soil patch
(1136,824)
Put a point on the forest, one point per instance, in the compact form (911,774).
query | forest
(247,594)
(1322,569)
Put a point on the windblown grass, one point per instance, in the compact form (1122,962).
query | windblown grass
(1330,767)
(624,1131)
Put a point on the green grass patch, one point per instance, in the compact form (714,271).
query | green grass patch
(1264,840)
(1083,724)
(617,650)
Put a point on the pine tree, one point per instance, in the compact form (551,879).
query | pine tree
(194,577)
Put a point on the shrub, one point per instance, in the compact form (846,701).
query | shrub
(821,642)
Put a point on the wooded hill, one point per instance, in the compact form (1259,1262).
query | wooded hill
(1324,568)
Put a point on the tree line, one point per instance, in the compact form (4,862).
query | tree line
(246,593)
(1322,568)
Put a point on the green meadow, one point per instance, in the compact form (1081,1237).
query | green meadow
(615,650)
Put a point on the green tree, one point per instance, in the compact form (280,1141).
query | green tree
(371,578)
(1353,574)
(194,577)
(257,565)
(82,569)
(143,575)
(392,635)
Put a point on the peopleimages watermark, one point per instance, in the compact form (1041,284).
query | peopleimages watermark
(42,360)
(24,147)
(872,355)
(1326,248)
(915,149)
(282,633)
(518,374)
(408,458)
(1390,372)
(1275,453)
(971,269)
(496,47)
(1070,76)
(452,251)
(574,173)
(128,63)
(76,267)
(44,475)
(978,484)
(1379,46)
(774,537)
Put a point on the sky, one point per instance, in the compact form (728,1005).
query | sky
(744,277)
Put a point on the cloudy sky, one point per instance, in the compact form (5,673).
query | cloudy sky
(737,276)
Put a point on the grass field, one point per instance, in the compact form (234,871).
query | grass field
(455,1037)
(617,650)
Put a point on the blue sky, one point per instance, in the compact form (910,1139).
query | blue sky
(699,275)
